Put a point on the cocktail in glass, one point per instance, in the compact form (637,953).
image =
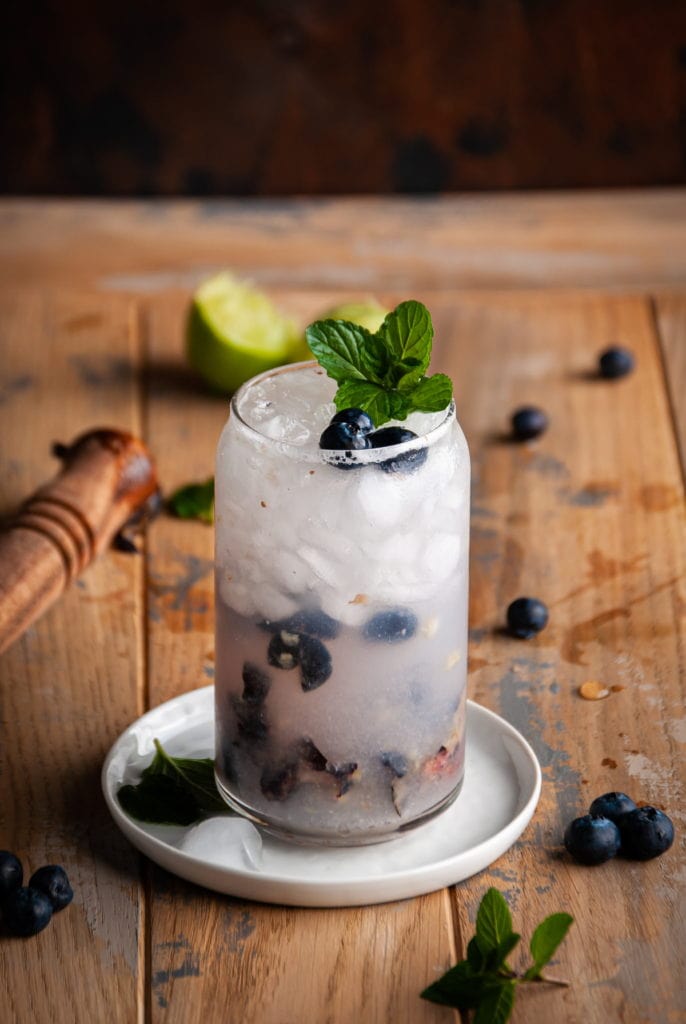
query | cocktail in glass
(341,617)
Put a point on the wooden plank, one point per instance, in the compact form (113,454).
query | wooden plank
(590,519)
(627,239)
(71,683)
(367,963)
(670,313)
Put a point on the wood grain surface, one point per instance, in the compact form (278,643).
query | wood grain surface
(590,518)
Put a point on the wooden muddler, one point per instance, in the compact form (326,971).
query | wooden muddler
(107,480)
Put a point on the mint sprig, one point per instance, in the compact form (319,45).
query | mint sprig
(484,981)
(194,501)
(173,791)
(383,373)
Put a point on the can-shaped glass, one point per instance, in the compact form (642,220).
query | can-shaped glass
(341,617)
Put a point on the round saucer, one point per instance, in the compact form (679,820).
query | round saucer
(228,854)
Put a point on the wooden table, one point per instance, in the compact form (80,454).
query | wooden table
(525,291)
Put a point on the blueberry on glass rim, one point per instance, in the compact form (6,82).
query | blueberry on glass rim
(612,806)
(526,616)
(404,462)
(360,421)
(646,833)
(592,839)
(615,362)
(528,422)
(343,437)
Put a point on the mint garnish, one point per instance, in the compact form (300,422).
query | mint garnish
(485,982)
(384,374)
(194,501)
(173,791)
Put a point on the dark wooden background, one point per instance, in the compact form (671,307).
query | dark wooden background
(315,96)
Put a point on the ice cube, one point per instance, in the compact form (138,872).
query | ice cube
(228,842)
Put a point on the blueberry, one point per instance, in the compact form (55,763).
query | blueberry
(391,627)
(26,911)
(612,806)
(342,773)
(255,684)
(343,437)
(284,650)
(355,418)
(228,762)
(405,462)
(279,781)
(311,755)
(592,839)
(615,362)
(52,881)
(11,872)
(646,833)
(314,622)
(528,422)
(251,718)
(526,616)
(396,762)
(315,663)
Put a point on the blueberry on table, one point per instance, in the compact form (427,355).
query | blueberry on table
(391,627)
(615,362)
(646,833)
(315,663)
(284,650)
(52,881)
(526,616)
(255,684)
(528,422)
(11,872)
(26,911)
(592,839)
(355,418)
(405,462)
(612,806)
(279,781)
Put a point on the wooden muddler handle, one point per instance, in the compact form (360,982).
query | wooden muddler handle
(107,477)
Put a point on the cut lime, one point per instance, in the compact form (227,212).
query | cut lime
(234,332)
(367,314)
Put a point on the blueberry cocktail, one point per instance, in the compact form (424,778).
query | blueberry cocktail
(341,589)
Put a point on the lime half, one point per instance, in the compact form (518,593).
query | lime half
(234,332)
(368,314)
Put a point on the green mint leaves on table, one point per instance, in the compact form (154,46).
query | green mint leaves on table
(384,373)
(194,501)
(173,791)
(485,982)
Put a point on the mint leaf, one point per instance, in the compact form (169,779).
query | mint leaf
(194,501)
(497,958)
(158,801)
(173,790)
(545,941)
(432,393)
(407,333)
(347,351)
(475,958)
(380,404)
(461,987)
(493,921)
(496,1005)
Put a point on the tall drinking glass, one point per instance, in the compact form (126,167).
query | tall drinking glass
(341,625)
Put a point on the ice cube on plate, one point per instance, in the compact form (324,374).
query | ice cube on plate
(224,841)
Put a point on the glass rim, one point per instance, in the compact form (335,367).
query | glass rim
(363,456)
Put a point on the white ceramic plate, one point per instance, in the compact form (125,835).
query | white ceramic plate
(499,796)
